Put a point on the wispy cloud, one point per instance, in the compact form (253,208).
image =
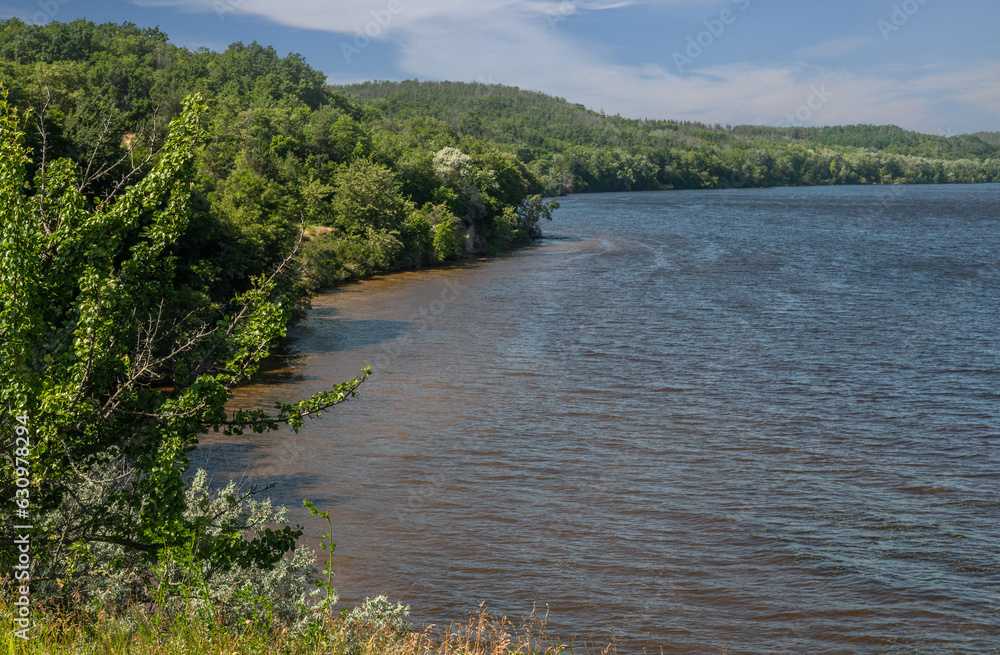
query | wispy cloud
(838,47)
(977,85)
(512,42)
(512,52)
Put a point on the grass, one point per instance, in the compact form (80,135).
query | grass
(138,631)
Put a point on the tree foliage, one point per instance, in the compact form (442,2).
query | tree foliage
(282,148)
(113,380)
(366,195)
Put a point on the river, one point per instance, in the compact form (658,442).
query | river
(766,419)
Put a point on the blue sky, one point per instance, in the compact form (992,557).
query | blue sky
(927,65)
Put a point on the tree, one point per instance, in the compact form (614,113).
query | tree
(367,196)
(532,210)
(449,239)
(452,166)
(104,374)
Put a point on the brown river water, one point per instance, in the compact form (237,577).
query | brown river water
(761,419)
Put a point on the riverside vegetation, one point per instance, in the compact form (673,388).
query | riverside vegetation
(163,216)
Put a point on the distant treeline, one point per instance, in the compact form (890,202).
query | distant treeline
(988,137)
(571,149)
(284,151)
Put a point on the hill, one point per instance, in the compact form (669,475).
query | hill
(571,148)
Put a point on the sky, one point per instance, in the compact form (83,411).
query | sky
(926,65)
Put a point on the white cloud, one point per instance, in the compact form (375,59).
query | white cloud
(346,16)
(975,85)
(513,42)
(530,56)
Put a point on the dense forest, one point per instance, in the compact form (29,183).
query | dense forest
(572,149)
(390,175)
(284,151)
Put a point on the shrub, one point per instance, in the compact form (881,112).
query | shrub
(99,576)
(449,239)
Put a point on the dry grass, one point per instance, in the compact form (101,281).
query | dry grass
(138,632)
(486,634)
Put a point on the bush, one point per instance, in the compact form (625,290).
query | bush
(417,236)
(331,258)
(102,577)
(367,197)
(449,239)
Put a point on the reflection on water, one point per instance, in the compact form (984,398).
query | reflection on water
(764,419)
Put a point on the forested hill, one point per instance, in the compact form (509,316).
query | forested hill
(281,149)
(571,148)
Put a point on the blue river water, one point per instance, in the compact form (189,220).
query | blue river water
(765,419)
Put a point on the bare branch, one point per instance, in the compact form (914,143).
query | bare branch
(136,168)
(43,133)
(86,178)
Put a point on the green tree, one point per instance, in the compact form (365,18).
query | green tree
(449,239)
(367,196)
(531,211)
(104,376)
